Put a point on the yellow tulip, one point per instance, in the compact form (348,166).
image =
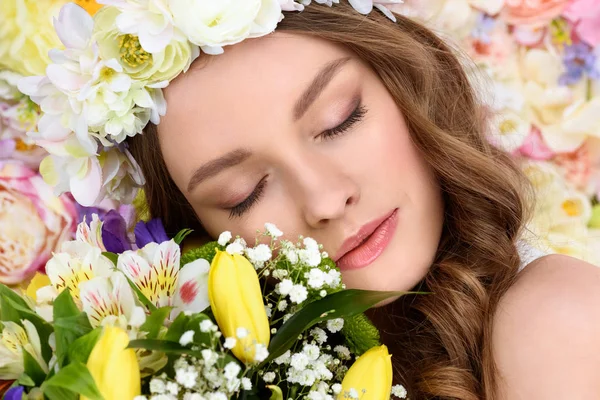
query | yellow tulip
(114,368)
(38,281)
(370,375)
(236,301)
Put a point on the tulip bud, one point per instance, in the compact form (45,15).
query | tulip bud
(114,368)
(370,376)
(236,301)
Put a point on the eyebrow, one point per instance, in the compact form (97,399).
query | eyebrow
(308,97)
(214,167)
(318,84)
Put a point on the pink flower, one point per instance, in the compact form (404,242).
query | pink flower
(533,12)
(534,147)
(585,14)
(33,222)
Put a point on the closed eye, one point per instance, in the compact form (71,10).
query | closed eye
(355,117)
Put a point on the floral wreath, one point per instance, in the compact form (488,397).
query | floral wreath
(106,85)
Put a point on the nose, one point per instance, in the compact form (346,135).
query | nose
(326,192)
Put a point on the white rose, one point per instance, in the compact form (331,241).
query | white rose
(214,24)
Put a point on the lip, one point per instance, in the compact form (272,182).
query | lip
(364,247)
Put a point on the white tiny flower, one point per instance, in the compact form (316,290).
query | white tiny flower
(298,294)
(319,335)
(311,351)
(193,396)
(315,278)
(286,317)
(140,398)
(235,248)
(186,377)
(230,343)
(399,391)
(336,388)
(333,278)
(273,331)
(323,293)
(246,383)
(259,254)
(335,325)
(272,230)
(172,388)
(261,353)
(282,305)
(285,287)
(269,377)
(280,273)
(283,359)
(310,244)
(206,325)
(291,255)
(342,352)
(241,333)
(186,338)
(353,394)
(224,238)
(231,370)
(157,386)
(299,361)
(217,396)
(209,357)
(268,311)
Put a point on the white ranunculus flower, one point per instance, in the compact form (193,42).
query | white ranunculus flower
(214,24)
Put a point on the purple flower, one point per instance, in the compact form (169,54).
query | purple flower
(151,231)
(114,233)
(485,25)
(14,393)
(579,59)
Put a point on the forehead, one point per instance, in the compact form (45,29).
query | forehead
(235,96)
(255,75)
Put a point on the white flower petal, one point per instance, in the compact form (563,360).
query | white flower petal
(362,6)
(192,287)
(74,26)
(86,190)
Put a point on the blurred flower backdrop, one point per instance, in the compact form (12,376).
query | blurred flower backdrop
(537,67)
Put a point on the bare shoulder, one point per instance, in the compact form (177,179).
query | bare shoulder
(546,338)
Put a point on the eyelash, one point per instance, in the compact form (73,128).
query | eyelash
(356,116)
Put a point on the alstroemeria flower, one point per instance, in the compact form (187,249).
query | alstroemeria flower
(91,233)
(154,269)
(212,25)
(533,12)
(13,341)
(110,300)
(77,262)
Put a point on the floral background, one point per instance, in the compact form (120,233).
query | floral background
(538,69)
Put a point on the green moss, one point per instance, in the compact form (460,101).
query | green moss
(206,251)
(360,334)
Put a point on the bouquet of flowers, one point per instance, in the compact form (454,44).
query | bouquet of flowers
(224,320)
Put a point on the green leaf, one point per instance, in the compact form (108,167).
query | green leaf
(276,393)
(193,324)
(111,256)
(177,328)
(76,378)
(165,346)
(25,380)
(181,235)
(69,324)
(81,348)
(64,305)
(143,299)
(155,321)
(14,308)
(58,393)
(33,368)
(342,304)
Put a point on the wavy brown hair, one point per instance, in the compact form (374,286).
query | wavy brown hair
(441,342)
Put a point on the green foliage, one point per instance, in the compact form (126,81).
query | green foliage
(182,235)
(155,321)
(206,251)
(14,308)
(33,368)
(360,334)
(81,348)
(70,382)
(69,324)
(111,256)
(345,303)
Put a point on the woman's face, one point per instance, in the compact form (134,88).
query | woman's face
(299,132)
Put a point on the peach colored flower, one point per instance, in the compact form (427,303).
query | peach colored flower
(33,222)
(533,12)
